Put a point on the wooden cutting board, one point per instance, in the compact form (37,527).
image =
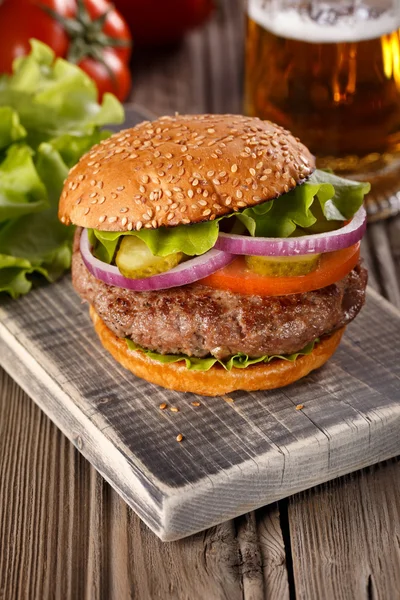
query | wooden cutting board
(238,453)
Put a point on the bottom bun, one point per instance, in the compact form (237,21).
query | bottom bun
(217,381)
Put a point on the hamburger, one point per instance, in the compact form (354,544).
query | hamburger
(212,253)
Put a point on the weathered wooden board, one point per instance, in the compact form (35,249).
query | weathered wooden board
(236,456)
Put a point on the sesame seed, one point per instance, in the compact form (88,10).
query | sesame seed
(124,209)
(130,226)
(195,182)
(216,181)
(120,188)
(190,193)
(206,212)
(78,201)
(196,403)
(174,409)
(239,194)
(211,173)
(124,221)
(299,406)
(93,195)
(142,189)
(179,437)
(202,203)
(241,204)
(228,201)
(139,225)
(170,216)
(163,406)
(102,218)
(155,180)
(145,179)
(252,172)
(112,219)
(102,199)
(93,182)
(211,130)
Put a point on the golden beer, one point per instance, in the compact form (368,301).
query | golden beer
(333,81)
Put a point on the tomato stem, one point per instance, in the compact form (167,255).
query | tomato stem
(86,34)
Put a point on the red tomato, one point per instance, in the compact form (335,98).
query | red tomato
(115,79)
(115,25)
(236,277)
(155,22)
(21,20)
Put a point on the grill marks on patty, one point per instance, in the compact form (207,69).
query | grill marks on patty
(197,321)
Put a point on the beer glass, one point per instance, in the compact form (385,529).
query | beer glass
(330,72)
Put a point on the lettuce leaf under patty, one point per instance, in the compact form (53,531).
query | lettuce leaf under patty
(239,361)
(320,204)
(49,117)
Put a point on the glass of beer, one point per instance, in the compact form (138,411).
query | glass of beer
(330,72)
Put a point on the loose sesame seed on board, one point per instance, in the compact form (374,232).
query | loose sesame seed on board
(170,165)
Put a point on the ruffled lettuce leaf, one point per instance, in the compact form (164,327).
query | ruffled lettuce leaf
(37,243)
(239,361)
(189,239)
(323,202)
(54,97)
(320,204)
(49,117)
(11,129)
(21,190)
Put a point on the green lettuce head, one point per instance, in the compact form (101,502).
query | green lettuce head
(49,117)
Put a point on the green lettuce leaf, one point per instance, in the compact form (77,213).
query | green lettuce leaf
(49,117)
(239,361)
(310,208)
(37,243)
(21,190)
(11,129)
(320,204)
(189,239)
(54,97)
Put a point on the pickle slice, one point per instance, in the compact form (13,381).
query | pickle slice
(135,260)
(283,266)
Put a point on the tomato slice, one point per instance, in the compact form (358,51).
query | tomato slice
(236,277)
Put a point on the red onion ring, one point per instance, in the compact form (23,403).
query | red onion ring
(185,273)
(308,244)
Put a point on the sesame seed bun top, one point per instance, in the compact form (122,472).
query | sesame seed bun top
(181,170)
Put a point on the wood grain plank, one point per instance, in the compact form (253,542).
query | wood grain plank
(379,240)
(218,472)
(346,537)
(65,534)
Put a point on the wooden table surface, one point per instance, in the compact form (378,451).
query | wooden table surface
(65,534)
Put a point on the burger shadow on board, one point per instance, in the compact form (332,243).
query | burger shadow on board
(213,255)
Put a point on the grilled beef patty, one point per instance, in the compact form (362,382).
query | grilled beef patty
(198,321)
